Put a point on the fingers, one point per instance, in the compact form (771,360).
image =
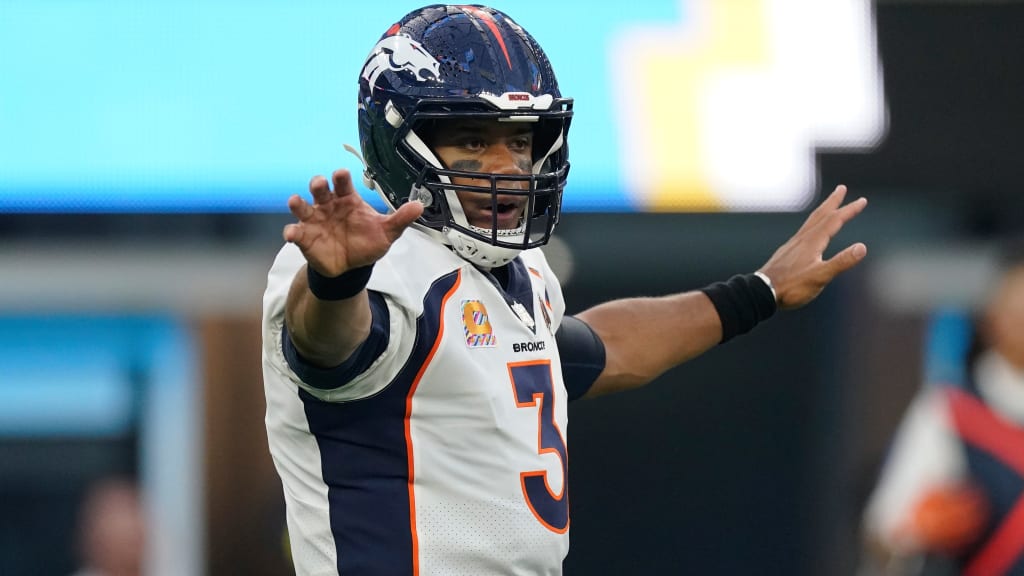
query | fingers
(835,221)
(846,213)
(301,210)
(292,233)
(320,190)
(830,216)
(343,209)
(299,207)
(833,201)
(846,259)
(398,221)
(852,209)
(342,182)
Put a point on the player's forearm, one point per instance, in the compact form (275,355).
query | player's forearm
(644,337)
(325,332)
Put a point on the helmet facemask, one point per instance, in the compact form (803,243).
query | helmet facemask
(538,192)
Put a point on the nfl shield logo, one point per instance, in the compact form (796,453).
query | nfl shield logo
(477,325)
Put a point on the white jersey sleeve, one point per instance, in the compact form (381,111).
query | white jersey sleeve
(925,454)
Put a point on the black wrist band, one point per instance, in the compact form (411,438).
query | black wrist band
(341,287)
(742,302)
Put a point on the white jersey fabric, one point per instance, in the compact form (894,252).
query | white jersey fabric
(446,455)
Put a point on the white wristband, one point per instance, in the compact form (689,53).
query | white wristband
(768,282)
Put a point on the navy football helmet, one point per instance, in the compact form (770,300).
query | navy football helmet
(452,62)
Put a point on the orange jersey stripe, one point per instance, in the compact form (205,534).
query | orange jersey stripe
(408,426)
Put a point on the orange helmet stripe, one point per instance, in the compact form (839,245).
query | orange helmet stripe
(489,21)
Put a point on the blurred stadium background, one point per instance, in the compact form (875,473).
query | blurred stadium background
(147,151)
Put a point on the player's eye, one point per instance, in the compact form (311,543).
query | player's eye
(521,143)
(474,144)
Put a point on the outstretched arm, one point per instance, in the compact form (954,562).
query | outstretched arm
(644,337)
(338,233)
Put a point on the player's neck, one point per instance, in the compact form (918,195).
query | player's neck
(500,274)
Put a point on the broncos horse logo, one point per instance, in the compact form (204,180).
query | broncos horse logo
(397,53)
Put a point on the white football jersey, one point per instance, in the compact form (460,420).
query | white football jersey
(447,454)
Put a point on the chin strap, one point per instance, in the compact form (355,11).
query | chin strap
(367,181)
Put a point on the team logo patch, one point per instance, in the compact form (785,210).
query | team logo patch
(400,53)
(477,325)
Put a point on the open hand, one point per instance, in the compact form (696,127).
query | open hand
(339,231)
(797,269)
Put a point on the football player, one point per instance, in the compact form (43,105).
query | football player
(418,363)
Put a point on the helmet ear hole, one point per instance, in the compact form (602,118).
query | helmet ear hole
(422,195)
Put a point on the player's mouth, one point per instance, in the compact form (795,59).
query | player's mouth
(509,211)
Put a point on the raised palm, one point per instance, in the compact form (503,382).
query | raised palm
(339,231)
(798,269)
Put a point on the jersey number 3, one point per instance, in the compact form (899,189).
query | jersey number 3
(533,388)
